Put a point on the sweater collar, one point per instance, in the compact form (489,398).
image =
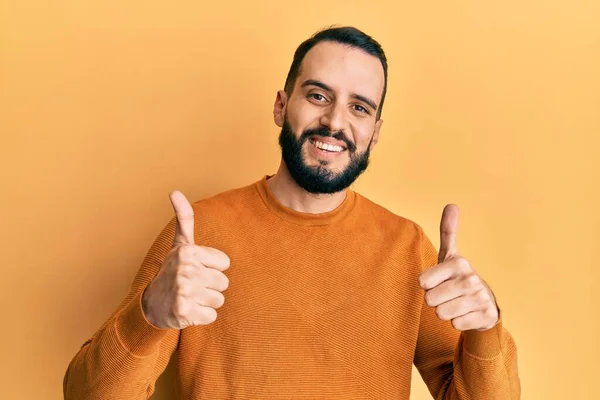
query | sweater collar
(302,218)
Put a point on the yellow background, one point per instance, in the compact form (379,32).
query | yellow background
(107,106)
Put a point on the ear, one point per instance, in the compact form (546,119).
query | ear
(376,133)
(279,108)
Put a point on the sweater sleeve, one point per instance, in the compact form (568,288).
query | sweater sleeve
(467,365)
(123,359)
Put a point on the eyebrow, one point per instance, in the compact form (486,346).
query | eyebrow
(313,82)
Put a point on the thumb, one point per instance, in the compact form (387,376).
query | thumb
(448,228)
(184,229)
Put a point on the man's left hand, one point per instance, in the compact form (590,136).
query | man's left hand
(453,286)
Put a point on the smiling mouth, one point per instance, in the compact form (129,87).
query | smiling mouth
(330,148)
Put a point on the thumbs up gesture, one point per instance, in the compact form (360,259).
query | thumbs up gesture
(453,286)
(187,290)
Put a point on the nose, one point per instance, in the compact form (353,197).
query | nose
(334,118)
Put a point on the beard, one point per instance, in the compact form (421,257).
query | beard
(320,179)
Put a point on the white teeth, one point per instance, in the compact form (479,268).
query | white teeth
(328,147)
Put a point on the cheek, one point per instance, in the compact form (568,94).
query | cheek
(363,133)
(302,115)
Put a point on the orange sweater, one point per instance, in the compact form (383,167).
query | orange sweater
(319,306)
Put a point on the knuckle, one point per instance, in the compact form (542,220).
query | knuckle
(209,315)
(181,308)
(217,280)
(488,312)
(428,299)
(473,280)
(180,281)
(463,264)
(186,270)
(182,251)
(456,324)
(440,313)
(220,300)
(183,290)
(492,314)
(225,283)
(483,296)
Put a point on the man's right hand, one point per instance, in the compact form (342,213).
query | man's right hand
(187,290)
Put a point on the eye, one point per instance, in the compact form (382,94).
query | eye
(361,109)
(317,96)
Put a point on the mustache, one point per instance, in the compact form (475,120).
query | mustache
(325,132)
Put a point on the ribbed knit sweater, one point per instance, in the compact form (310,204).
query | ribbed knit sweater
(319,306)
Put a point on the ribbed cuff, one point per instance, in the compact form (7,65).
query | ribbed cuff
(484,344)
(135,333)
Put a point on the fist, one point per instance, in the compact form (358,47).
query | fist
(187,290)
(454,288)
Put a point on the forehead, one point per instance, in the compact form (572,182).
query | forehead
(343,68)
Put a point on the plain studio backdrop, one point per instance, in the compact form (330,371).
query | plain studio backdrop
(106,107)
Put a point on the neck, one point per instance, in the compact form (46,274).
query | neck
(291,195)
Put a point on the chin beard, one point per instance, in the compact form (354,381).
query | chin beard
(319,179)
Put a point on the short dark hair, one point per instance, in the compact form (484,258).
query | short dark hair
(346,35)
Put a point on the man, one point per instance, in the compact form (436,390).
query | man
(298,287)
